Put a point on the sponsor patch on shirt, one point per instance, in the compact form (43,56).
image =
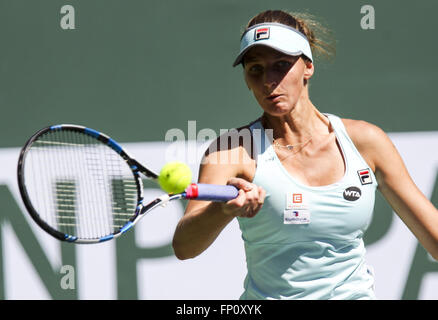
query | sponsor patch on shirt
(352,193)
(296,217)
(365,176)
(296,209)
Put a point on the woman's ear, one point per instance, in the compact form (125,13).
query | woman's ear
(309,69)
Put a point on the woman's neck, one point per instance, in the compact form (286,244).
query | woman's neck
(303,122)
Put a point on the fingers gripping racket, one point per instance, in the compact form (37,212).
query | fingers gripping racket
(81,186)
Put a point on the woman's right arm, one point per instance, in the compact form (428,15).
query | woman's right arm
(203,221)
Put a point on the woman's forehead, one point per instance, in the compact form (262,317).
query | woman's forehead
(263,52)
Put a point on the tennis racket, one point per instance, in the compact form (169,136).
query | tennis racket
(81,186)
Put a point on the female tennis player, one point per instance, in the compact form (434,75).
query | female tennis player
(306,191)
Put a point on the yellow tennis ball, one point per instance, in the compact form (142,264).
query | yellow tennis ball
(175,177)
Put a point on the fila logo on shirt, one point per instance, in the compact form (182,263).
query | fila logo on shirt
(365,176)
(261,33)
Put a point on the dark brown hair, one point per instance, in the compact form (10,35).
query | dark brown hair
(320,38)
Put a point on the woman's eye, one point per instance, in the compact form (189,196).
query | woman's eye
(283,64)
(255,69)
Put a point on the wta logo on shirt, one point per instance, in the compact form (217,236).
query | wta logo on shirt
(365,176)
(352,193)
(261,33)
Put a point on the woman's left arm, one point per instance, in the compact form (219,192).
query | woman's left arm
(396,185)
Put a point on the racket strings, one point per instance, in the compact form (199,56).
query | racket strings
(79,185)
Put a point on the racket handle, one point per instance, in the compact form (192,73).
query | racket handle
(211,192)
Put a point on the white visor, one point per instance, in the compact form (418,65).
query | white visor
(277,36)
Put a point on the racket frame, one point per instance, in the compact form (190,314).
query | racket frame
(133,164)
(195,191)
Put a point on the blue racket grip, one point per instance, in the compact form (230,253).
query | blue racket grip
(211,192)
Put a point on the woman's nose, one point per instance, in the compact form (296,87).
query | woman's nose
(271,80)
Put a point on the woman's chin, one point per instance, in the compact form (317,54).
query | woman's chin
(277,110)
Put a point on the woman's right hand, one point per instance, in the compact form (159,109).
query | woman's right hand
(249,200)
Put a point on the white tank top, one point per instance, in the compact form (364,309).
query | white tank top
(306,242)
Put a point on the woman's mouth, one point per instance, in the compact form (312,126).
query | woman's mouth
(274,97)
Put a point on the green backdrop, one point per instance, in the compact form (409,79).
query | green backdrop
(135,69)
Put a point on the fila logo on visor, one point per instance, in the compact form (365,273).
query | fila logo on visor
(365,176)
(261,33)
